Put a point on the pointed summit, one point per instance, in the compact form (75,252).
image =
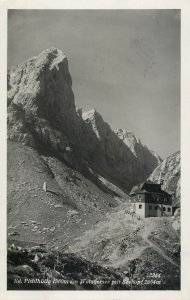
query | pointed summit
(129,139)
(96,121)
(125,134)
(40,93)
(135,145)
(89,114)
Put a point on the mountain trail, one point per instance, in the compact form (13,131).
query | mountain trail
(147,229)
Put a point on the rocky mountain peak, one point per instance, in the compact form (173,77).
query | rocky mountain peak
(135,145)
(127,135)
(92,114)
(40,80)
(99,126)
(89,114)
(129,139)
(42,114)
(41,100)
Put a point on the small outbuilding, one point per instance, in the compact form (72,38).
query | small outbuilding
(150,200)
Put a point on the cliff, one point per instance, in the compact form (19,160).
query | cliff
(113,156)
(42,114)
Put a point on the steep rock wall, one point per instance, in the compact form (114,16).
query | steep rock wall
(42,114)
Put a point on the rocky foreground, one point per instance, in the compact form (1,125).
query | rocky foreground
(139,255)
(39,268)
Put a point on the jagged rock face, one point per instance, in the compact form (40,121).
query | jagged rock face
(129,139)
(137,148)
(41,105)
(110,157)
(42,114)
(42,85)
(168,173)
(144,156)
(123,159)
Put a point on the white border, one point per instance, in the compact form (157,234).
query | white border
(184,5)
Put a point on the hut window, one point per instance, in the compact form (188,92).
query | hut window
(169,209)
(164,209)
(140,206)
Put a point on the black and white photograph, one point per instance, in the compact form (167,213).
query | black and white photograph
(93,149)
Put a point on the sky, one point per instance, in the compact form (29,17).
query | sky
(123,63)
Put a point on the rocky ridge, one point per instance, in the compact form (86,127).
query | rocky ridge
(134,143)
(42,114)
(115,156)
(168,173)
